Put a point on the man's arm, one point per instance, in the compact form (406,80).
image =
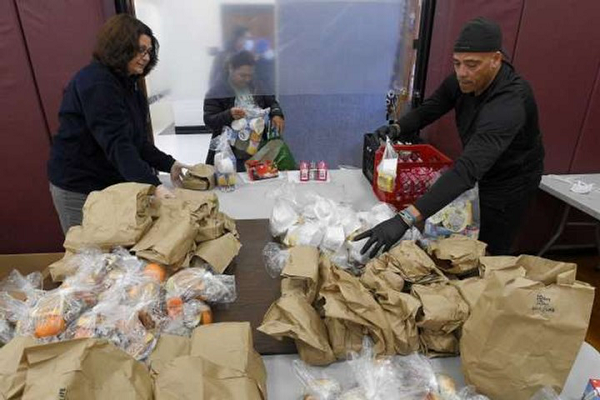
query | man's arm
(498,124)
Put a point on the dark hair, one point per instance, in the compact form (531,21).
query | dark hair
(242,58)
(118,43)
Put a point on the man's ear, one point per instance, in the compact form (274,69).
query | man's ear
(497,58)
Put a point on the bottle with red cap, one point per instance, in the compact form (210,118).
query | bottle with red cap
(304,171)
(322,171)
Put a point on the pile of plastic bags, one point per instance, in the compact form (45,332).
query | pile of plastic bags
(385,378)
(115,296)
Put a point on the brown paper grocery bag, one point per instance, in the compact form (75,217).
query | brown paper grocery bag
(380,279)
(401,311)
(303,265)
(230,345)
(195,378)
(525,334)
(13,367)
(201,204)
(63,268)
(457,254)
(344,336)
(168,348)
(219,252)
(413,264)
(199,177)
(213,227)
(116,216)
(439,344)
(218,362)
(444,309)
(347,299)
(171,237)
(88,369)
(470,289)
(294,317)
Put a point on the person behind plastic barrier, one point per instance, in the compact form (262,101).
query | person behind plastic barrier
(497,120)
(230,97)
(103,137)
(240,40)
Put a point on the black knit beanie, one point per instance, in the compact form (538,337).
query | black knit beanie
(479,35)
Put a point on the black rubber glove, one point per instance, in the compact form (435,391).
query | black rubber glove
(385,131)
(385,235)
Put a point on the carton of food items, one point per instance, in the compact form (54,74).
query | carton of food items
(259,170)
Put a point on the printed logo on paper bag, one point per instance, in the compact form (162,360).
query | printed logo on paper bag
(62,394)
(543,305)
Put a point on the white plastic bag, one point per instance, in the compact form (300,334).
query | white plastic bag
(275,257)
(225,161)
(387,168)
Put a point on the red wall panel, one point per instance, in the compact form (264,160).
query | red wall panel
(29,222)
(586,159)
(60,37)
(558,52)
(450,15)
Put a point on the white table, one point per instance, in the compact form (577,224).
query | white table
(282,384)
(253,201)
(559,186)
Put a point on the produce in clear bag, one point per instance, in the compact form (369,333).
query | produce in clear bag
(12,312)
(459,217)
(184,317)
(316,388)
(378,378)
(387,168)
(201,284)
(23,287)
(275,256)
(225,162)
(52,313)
(122,327)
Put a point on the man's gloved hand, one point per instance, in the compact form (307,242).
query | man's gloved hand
(392,131)
(385,235)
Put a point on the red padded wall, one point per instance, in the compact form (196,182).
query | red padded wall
(29,223)
(450,15)
(558,52)
(60,37)
(586,158)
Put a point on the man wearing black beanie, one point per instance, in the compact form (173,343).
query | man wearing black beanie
(497,121)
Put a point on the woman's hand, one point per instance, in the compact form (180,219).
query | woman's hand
(279,123)
(177,173)
(237,113)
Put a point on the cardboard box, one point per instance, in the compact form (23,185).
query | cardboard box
(28,263)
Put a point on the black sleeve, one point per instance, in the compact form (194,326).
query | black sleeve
(498,123)
(150,153)
(276,110)
(107,118)
(216,116)
(156,158)
(440,102)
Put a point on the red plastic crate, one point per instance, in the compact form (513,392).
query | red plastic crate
(418,162)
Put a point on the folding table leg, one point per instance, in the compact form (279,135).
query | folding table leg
(559,231)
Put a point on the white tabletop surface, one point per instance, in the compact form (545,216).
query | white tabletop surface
(255,201)
(560,187)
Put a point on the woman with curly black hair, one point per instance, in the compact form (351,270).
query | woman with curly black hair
(103,138)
